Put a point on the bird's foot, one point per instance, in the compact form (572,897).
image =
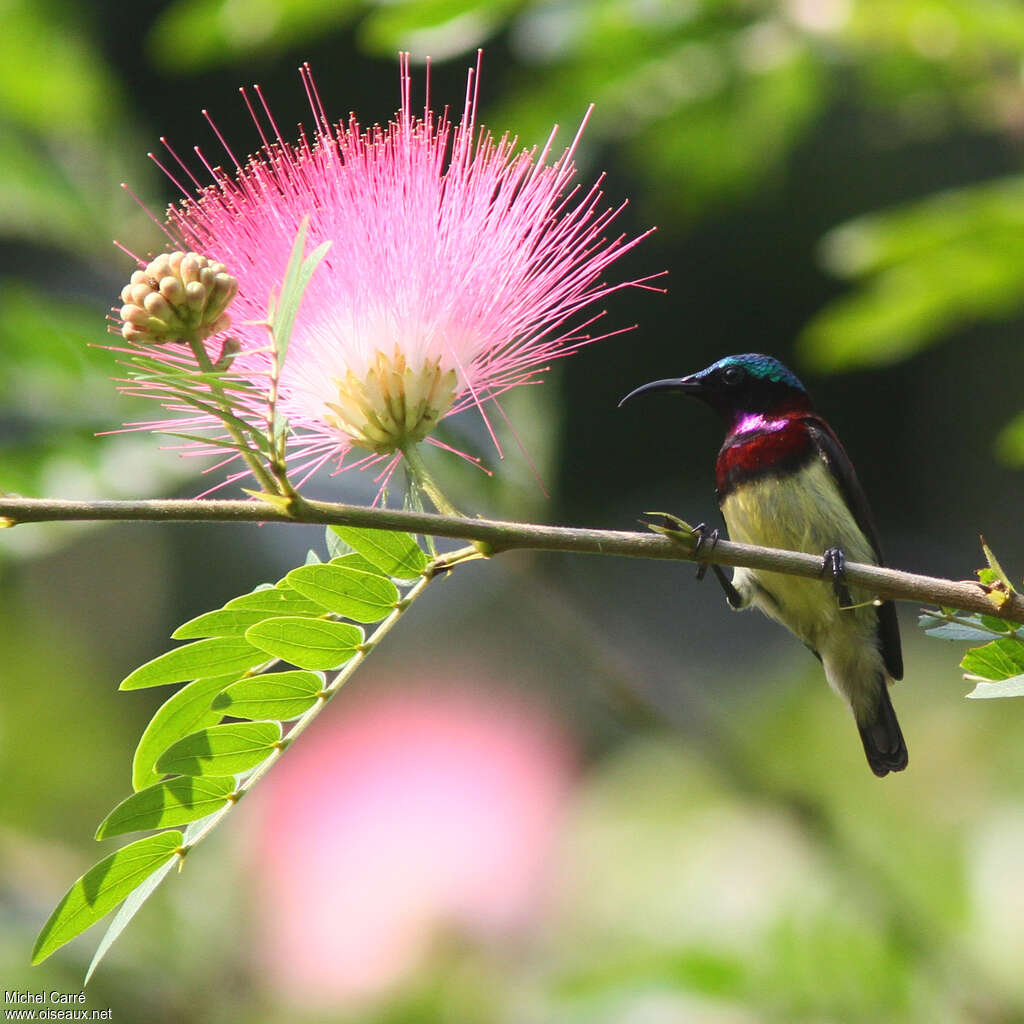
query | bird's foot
(704,536)
(833,563)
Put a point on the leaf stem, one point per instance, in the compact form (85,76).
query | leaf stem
(252,459)
(426,482)
(942,617)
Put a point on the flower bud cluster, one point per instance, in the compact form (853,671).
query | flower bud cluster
(179,296)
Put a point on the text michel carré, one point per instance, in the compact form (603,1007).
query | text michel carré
(43,997)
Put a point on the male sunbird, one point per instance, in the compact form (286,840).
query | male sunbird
(784,481)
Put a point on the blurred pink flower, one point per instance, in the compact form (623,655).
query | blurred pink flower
(411,814)
(458,268)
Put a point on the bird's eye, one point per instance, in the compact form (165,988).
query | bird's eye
(733,375)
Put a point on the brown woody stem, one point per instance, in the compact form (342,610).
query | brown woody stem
(498,536)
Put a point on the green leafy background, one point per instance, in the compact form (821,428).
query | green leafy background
(837,183)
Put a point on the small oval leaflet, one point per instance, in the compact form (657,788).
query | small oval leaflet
(102,887)
(356,595)
(339,553)
(1012,687)
(943,630)
(999,625)
(187,711)
(131,906)
(279,600)
(222,622)
(314,644)
(1000,659)
(275,695)
(212,657)
(394,554)
(221,749)
(174,802)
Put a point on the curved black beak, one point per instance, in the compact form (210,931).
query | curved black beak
(687,385)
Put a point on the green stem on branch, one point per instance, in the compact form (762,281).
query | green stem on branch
(276,441)
(252,459)
(426,482)
(499,536)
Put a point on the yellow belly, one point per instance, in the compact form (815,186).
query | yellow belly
(802,513)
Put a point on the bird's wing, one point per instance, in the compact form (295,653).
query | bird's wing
(842,469)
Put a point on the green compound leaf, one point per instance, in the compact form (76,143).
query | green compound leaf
(357,595)
(1012,687)
(394,554)
(281,696)
(279,600)
(175,802)
(221,749)
(1001,659)
(213,657)
(179,716)
(313,644)
(102,887)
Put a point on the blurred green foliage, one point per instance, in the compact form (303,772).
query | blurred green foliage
(63,148)
(65,145)
(923,270)
(190,35)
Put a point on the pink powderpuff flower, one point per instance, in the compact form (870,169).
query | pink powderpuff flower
(458,268)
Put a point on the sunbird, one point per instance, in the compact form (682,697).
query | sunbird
(784,481)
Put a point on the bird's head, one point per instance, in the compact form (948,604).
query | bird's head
(739,386)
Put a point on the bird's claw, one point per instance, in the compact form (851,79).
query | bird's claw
(833,563)
(703,536)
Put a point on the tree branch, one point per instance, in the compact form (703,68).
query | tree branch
(497,536)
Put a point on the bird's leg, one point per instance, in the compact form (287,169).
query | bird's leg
(703,535)
(732,595)
(834,565)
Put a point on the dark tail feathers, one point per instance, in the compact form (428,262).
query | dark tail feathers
(883,742)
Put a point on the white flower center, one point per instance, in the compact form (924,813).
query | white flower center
(393,405)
